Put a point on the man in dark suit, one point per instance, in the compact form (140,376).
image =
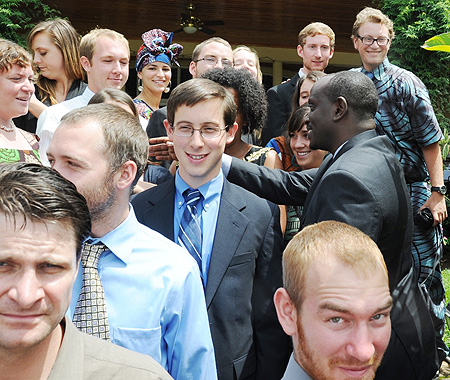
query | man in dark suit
(360,184)
(233,235)
(316,48)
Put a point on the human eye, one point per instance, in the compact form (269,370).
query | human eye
(382,40)
(124,62)
(226,62)
(381,317)
(336,320)
(325,48)
(210,131)
(238,63)
(368,40)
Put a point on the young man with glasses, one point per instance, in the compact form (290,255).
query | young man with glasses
(405,115)
(234,236)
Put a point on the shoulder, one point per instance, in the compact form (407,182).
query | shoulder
(118,361)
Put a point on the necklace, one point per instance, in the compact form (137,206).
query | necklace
(8,128)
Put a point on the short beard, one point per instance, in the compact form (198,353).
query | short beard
(307,358)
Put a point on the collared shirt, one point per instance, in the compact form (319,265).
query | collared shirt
(83,357)
(301,73)
(294,371)
(154,300)
(405,115)
(211,192)
(51,117)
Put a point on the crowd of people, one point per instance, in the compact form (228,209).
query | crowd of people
(142,242)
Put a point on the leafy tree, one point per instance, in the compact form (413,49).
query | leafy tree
(18,17)
(415,21)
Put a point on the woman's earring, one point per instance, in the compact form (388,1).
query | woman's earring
(167,89)
(139,87)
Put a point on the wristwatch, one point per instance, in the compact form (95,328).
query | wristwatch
(440,189)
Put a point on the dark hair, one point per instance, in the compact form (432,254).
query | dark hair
(115,95)
(198,90)
(251,95)
(297,119)
(124,137)
(312,76)
(357,89)
(40,194)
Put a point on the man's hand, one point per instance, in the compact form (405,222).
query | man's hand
(161,148)
(437,206)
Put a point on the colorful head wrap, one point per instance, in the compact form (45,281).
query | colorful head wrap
(157,47)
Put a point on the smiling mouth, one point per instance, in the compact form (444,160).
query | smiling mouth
(197,156)
(303,154)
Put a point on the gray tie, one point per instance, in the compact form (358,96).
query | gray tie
(90,313)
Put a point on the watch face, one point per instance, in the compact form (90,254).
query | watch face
(440,189)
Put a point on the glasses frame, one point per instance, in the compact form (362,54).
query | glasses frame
(200,131)
(211,57)
(373,40)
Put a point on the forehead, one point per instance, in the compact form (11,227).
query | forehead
(41,39)
(207,111)
(307,84)
(37,240)
(373,29)
(106,46)
(16,69)
(217,49)
(244,54)
(318,39)
(83,139)
(337,283)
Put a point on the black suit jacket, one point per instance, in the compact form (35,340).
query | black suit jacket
(364,186)
(244,272)
(279,98)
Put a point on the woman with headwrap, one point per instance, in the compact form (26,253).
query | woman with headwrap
(154,62)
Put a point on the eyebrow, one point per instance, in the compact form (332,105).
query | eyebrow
(333,307)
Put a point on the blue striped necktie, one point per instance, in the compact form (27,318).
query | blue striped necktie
(190,234)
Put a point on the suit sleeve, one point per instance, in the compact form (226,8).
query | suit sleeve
(275,185)
(155,127)
(273,346)
(275,116)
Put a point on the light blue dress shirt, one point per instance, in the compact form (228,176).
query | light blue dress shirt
(154,300)
(294,371)
(211,192)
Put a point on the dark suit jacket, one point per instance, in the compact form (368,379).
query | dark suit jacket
(364,186)
(155,126)
(279,98)
(244,272)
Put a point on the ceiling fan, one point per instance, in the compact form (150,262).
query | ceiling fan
(190,24)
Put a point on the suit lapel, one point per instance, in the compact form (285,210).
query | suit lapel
(231,225)
(161,208)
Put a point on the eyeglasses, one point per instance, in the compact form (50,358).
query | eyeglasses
(381,41)
(208,132)
(212,61)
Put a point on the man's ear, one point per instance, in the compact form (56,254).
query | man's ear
(126,175)
(286,312)
(85,63)
(341,108)
(355,43)
(232,129)
(168,129)
(300,51)
(193,69)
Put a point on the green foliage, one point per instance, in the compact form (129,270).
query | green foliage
(415,21)
(18,17)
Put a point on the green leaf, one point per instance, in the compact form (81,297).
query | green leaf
(440,42)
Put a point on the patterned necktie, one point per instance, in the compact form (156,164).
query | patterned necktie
(190,234)
(90,313)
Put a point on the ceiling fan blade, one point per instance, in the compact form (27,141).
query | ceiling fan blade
(207,30)
(213,22)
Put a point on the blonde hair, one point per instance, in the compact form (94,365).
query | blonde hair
(317,243)
(89,41)
(198,49)
(12,54)
(66,38)
(316,28)
(259,76)
(369,14)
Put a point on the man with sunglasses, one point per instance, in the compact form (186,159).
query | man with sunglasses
(405,115)
(233,235)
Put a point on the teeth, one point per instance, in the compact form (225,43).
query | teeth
(302,153)
(197,157)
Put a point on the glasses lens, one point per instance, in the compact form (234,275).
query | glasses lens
(210,132)
(183,131)
(211,61)
(226,63)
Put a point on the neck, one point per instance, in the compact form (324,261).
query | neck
(151,98)
(111,219)
(62,88)
(34,363)
(237,148)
